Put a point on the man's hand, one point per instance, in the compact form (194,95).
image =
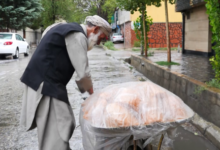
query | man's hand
(90,91)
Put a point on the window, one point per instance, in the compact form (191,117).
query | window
(21,39)
(116,33)
(5,36)
(17,37)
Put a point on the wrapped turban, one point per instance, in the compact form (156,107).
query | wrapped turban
(102,23)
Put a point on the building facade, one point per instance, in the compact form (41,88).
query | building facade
(157,34)
(196,28)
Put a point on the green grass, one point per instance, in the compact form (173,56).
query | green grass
(136,49)
(211,84)
(165,48)
(214,83)
(110,45)
(165,63)
(149,53)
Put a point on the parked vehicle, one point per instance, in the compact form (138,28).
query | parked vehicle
(13,44)
(117,37)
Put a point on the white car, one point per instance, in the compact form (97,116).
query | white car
(117,37)
(13,44)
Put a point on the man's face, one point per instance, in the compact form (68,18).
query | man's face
(95,37)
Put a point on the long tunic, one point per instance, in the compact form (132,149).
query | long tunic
(53,118)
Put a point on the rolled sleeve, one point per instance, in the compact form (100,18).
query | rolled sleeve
(77,47)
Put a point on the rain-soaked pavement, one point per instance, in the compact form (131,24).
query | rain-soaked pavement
(194,66)
(105,70)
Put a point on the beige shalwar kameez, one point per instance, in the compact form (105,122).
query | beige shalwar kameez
(53,118)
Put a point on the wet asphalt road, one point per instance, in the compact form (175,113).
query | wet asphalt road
(105,71)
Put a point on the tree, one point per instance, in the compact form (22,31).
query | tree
(168,33)
(18,14)
(138,28)
(140,5)
(103,8)
(55,10)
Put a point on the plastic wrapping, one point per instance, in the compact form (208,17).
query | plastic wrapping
(143,110)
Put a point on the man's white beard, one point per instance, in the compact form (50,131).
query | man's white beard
(93,39)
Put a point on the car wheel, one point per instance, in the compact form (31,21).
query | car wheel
(2,56)
(27,52)
(16,56)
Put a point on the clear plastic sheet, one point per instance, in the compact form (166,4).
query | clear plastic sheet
(143,110)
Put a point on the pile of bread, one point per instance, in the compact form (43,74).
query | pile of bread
(134,104)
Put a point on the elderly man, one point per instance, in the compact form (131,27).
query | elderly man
(61,52)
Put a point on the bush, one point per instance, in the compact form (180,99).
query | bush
(137,44)
(110,45)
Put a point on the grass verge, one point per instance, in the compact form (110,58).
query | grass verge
(214,83)
(164,48)
(165,63)
(136,49)
(110,45)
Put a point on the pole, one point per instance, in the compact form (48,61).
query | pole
(168,33)
(135,144)
(145,41)
(124,35)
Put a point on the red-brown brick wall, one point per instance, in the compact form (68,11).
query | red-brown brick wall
(129,35)
(156,36)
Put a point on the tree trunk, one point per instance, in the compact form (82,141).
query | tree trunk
(168,33)
(145,41)
(24,33)
(53,8)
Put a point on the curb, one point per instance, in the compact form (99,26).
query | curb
(208,130)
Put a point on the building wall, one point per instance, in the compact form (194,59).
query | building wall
(123,16)
(197,30)
(158,14)
(157,35)
(129,35)
(32,36)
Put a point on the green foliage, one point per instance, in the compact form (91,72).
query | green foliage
(199,90)
(150,53)
(18,14)
(138,27)
(139,5)
(136,49)
(137,44)
(213,10)
(103,8)
(165,63)
(110,45)
(109,6)
(214,83)
(57,10)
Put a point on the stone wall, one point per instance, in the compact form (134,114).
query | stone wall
(157,35)
(206,104)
